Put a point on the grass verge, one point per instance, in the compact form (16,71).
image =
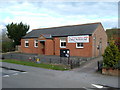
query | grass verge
(41,65)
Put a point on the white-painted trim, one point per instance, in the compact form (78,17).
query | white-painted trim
(60,43)
(26,41)
(35,41)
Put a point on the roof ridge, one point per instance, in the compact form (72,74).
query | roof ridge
(69,25)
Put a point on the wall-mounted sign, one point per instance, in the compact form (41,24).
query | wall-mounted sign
(78,39)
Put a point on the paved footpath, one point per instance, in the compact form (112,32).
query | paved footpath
(89,66)
(84,77)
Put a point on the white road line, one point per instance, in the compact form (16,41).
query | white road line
(23,72)
(5,76)
(15,74)
(98,86)
(15,71)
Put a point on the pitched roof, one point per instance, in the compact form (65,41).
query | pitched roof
(47,36)
(64,30)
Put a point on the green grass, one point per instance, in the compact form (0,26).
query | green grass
(41,65)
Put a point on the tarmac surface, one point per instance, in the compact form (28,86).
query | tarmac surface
(83,77)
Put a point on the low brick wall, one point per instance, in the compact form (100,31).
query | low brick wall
(110,71)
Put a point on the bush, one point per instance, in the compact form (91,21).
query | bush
(111,56)
(7,46)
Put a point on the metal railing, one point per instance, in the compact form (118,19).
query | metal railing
(71,62)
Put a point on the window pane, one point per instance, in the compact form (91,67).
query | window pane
(64,43)
(36,44)
(79,45)
(27,44)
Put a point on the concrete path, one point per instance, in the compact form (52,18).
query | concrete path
(90,66)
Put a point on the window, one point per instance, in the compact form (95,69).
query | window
(79,45)
(35,43)
(62,43)
(26,43)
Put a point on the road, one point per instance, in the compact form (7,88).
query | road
(84,77)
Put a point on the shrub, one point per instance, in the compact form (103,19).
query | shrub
(111,56)
(7,46)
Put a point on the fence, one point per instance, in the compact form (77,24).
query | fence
(72,62)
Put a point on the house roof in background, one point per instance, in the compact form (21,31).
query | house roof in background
(81,29)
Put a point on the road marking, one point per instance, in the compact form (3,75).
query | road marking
(12,74)
(15,74)
(15,71)
(23,72)
(98,86)
(5,76)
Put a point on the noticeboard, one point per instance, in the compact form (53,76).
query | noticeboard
(78,39)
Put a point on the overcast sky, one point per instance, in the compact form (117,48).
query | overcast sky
(39,14)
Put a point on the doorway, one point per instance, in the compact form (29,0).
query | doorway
(42,47)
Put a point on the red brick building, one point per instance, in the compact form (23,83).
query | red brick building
(49,41)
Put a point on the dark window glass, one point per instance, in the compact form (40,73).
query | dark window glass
(27,44)
(79,44)
(36,44)
(63,44)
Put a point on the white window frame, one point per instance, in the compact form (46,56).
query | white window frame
(35,42)
(79,46)
(26,41)
(62,40)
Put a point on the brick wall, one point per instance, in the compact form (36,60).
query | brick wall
(100,35)
(31,48)
(83,52)
(49,47)
(37,50)
(57,45)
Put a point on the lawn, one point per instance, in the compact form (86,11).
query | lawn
(41,65)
